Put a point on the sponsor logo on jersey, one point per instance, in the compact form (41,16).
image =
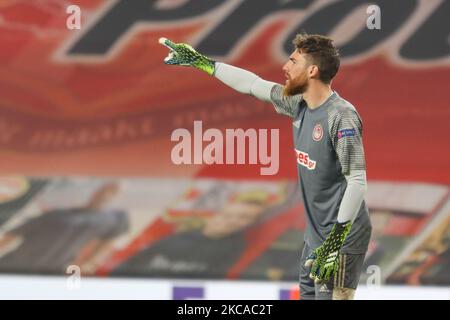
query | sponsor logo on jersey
(346,133)
(317,132)
(304,160)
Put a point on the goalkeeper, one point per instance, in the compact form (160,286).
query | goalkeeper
(330,158)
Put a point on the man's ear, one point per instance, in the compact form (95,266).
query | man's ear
(313,71)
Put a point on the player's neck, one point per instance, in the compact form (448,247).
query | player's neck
(317,94)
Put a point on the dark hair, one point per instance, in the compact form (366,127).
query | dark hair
(322,53)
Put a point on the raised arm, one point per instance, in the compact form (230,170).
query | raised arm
(239,79)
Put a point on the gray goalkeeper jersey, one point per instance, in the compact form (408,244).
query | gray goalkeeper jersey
(328,144)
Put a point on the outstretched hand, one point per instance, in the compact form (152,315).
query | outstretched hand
(182,54)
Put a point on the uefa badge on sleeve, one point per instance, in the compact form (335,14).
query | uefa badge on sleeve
(317,132)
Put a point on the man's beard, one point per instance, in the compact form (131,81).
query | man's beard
(293,88)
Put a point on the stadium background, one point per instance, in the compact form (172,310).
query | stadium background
(87,115)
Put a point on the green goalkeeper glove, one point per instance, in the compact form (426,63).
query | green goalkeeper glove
(182,54)
(324,261)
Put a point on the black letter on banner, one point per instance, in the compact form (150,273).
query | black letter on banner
(104,34)
(431,40)
(224,37)
(324,20)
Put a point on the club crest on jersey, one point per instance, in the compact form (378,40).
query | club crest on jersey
(304,160)
(317,132)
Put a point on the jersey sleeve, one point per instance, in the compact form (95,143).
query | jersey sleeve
(285,105)
(346,137)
